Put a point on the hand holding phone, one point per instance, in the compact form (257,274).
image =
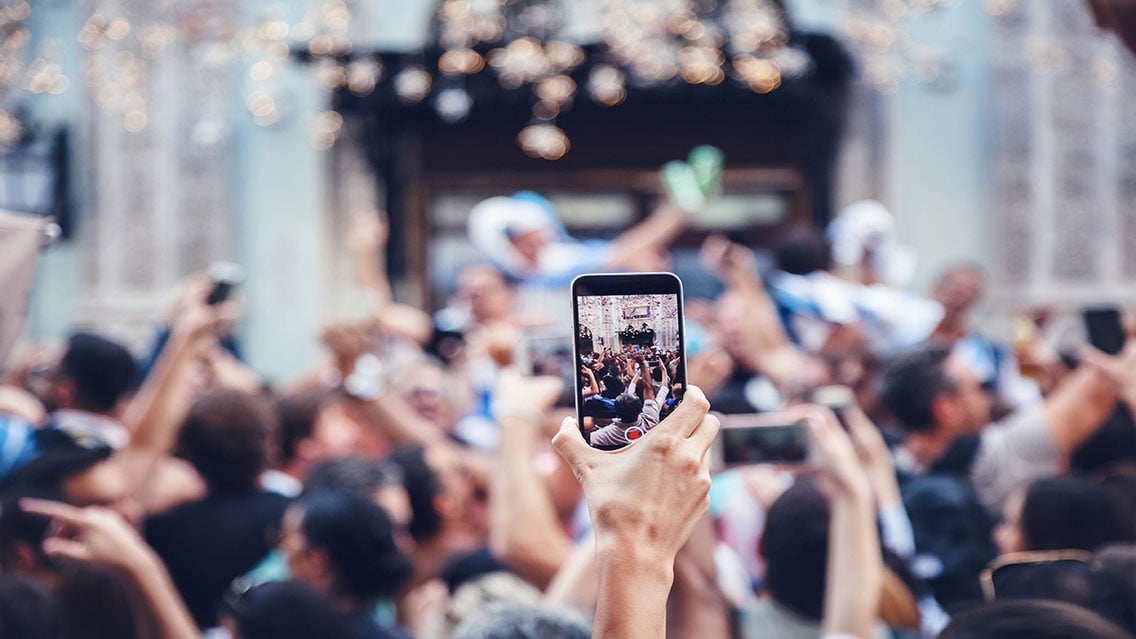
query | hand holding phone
(225,277)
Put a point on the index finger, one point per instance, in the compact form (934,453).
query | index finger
(54,509)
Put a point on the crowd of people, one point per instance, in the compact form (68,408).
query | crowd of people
(415,483)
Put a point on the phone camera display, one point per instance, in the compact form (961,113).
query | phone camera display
(630,370)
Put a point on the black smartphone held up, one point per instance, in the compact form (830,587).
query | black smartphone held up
(1105,330)
(225,277)
(761,438)
(630,351)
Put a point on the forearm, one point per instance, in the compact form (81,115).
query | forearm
(536,549)
(855,567)
(160,597)
(696,607)
(395,419)
(658,230)
(1078,407)
(575,584)
(634,583)
(155,415)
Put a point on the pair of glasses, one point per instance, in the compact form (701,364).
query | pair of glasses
(1037,574)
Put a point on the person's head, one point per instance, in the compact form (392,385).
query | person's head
(505,621)
(344,545)
(528,242)
(433,393)
(486,291)
(78,469)
(928,390)
(802,250)
(226,438)
(628,408)
(94,375)
(443,494)
(1060,513)
(795,547)
(312,429)
(1030,620)
(377,480)
(958,288)
(282,610)
(612,386)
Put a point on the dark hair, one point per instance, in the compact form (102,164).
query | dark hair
(285,610)
(911,382)
(358,537)
(612,386)
(628,408)
(28,610)
(510,621)
(296,415)
(225,437)
(802,250)
(359,475)
(795,547)
(1030,620)
(1109,593)
(19,528)
(422,487)
(101,370)
(1070,512)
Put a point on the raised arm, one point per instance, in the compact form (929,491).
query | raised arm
(655,232)
(855,568)
(535,549)
(645,501)
(1087,396)
(367,239)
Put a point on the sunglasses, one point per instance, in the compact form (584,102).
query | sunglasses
(1027,575)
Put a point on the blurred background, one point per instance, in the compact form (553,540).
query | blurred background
(163,135)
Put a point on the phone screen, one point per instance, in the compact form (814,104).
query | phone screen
(1105,329)
(630,354)
(764,443)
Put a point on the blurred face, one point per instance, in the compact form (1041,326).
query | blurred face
(396,503)
(971,404)
(958,291)
(424,389)
(1008,534)
(335,434)
(484,290)
(530,244)
(304,563)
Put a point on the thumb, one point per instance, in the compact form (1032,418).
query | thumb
(572,448)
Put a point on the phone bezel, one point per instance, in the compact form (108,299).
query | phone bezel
(601,284)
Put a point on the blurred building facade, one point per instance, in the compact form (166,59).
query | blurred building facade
(1019,152)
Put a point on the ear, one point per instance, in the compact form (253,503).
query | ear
(945,410)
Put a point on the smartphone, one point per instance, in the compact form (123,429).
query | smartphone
(761,438)
(1105,330)
(630,354)
(225,277)
(548,353)
(835,398)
